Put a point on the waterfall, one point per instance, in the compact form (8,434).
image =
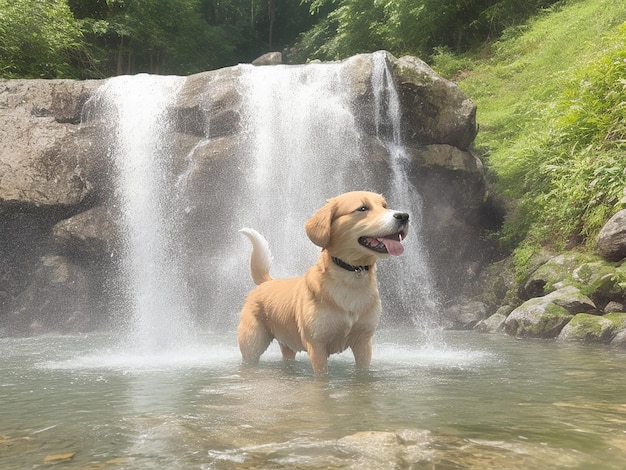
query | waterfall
(153,261)
(303,148)
(304,138)
(414,284)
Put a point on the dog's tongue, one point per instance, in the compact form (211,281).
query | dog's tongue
(394,247)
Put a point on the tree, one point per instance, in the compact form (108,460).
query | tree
(416,27)
(39,39)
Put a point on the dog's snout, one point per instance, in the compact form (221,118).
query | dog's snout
(401,216)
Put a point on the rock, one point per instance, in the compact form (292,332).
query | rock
(43,160)
(493,324)
(496,285)
(385,449)
(271,58)
(600,280)
(537,318)
(619,340)
(589,329)
(90,235)
(552,273)
(423,89)
(613,307)
(466,316)
(571,299)
(56,300)
(611,241)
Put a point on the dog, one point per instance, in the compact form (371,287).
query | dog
(336,304)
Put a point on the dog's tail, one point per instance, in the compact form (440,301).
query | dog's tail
(261,258)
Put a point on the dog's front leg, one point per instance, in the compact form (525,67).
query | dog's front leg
(362,351)
(319,359)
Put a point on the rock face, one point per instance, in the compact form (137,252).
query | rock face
(59,211)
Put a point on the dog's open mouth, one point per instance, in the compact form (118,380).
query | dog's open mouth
(391,244)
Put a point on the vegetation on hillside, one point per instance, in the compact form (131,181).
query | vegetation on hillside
(552,111)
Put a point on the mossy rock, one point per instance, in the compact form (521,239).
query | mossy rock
(589,329)
(555,273)
(600,280)
(618,319)
(537,318)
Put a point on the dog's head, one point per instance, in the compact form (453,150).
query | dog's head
(358,228)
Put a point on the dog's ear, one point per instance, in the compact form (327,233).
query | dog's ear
(318,227)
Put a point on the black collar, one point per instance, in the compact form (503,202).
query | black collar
(349,267)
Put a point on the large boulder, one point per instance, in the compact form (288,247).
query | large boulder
(545,317)
(611,241)
(592,328)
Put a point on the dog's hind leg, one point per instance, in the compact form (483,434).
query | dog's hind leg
(253,340)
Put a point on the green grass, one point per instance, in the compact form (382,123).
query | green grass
(551,99)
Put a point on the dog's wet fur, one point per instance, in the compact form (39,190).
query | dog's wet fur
(336,304)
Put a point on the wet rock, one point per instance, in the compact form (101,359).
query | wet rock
(381,449)
(466,316)
(271,58)
(495,323)
(589,329)
(611,241)
(56,300)
(91,235)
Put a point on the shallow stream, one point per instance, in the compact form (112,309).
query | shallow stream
(455,400)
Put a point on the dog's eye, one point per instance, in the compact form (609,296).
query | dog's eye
(363,208)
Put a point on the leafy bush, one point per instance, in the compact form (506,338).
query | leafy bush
(38,39)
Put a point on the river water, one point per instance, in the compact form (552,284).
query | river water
(453,400)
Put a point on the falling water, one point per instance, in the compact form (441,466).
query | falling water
(415,286)
(304,147)
(153,263)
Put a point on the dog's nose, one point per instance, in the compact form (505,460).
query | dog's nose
(401,216)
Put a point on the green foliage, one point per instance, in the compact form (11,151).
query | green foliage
(552,119)
(38,39)
(409,26)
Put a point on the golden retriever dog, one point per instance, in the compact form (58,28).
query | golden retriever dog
(335,305)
